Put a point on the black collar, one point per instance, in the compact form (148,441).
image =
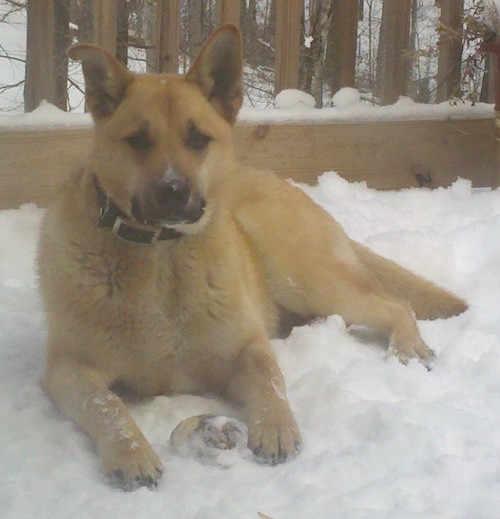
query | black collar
(112,217)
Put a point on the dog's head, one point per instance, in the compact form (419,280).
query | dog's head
(163,139)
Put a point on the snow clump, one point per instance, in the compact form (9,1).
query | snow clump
(294,100)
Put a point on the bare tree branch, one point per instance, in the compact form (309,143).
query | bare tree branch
(15,7)
(4,88)
(12,58)
(76,85)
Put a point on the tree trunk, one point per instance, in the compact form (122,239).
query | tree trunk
(393,51)
(340,64)
(450,49)
(319,16)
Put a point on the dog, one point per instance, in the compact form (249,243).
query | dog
(167,267)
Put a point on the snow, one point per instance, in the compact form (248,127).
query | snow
(46,116)
(350,111)
(381,440)
(345,97)
(292,99)
(293,106)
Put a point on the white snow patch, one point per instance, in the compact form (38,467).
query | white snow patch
(292,106)
(46,116)
(346,97)
(381,440)
(294,100)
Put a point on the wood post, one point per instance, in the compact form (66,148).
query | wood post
(122,29)
(450,49)
(393,50)
(492,46)
(100,24)
(289,14)
(46,60)
(340,60)
(228,11)
(168,36)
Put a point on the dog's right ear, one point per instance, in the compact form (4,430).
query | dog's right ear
(106,79)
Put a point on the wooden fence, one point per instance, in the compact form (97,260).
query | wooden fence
(387,155)
(43,52)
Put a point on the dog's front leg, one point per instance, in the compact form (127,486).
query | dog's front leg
(274,435)
(81,393)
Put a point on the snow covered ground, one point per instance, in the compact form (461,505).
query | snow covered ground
(380,440)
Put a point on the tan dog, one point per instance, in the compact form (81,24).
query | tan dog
(167,267)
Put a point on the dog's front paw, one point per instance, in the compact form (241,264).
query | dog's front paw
(416,349)
(274,435)
(131,464)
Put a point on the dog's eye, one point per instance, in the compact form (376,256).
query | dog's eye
(195,139)
(140,140)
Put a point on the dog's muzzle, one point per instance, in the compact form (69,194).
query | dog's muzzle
(168,203)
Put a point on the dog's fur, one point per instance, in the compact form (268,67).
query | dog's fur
(195,314)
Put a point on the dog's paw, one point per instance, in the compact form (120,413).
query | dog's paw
(132,464)
(274,435)
(414,350)
(214,440)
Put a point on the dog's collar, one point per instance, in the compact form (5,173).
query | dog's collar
(112,217)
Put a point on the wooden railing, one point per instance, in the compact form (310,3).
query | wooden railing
(385,154)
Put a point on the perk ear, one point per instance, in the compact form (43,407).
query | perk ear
(106,79)
(218,71)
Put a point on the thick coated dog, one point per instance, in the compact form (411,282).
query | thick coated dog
(167,267)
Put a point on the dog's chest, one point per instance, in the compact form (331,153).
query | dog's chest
(199,279)
(211,289)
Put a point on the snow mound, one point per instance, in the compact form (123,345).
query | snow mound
(346,97)
(294,100)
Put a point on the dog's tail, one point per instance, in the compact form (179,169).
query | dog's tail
(426,299)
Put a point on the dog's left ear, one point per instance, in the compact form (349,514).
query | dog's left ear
(218,71)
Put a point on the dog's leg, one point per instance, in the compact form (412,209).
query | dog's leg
(393,319)
(314,269)
(81,393)
(273,432)
(359,300)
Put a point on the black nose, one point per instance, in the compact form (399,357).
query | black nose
(172,202)
(174,193)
